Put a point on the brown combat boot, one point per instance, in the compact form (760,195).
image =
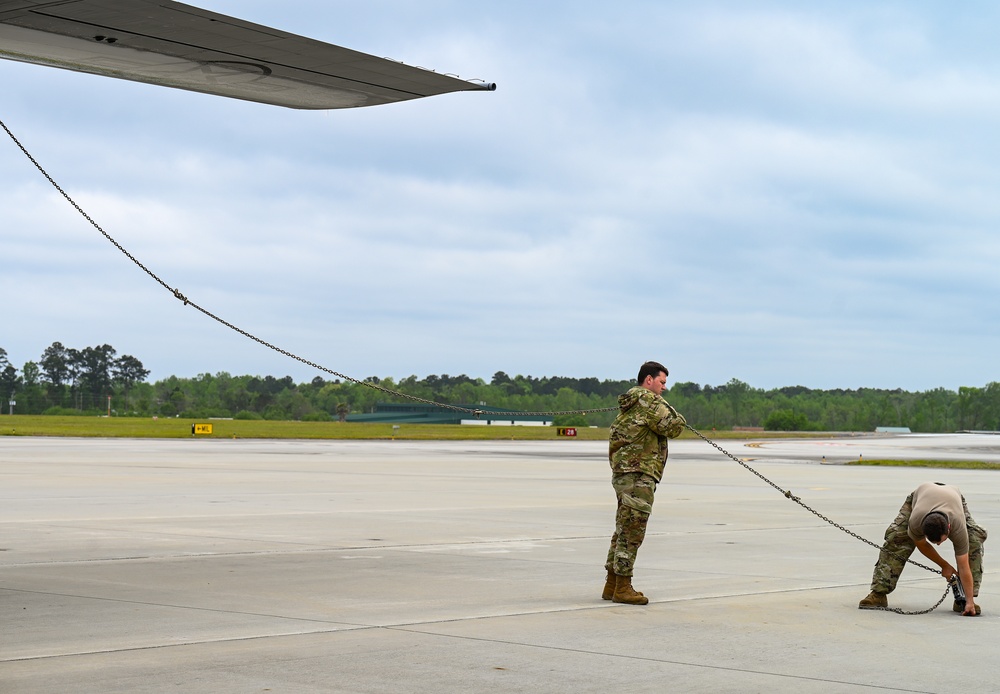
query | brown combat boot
(874,601)
(609,586)
(626,594)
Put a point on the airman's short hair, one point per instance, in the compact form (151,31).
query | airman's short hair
(651,368)
(935,526)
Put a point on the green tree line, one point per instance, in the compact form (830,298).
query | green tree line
(72,380)
(94,380)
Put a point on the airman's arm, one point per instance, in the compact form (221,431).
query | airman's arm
(965,576)
(929,551)
(947,570)
(669,422)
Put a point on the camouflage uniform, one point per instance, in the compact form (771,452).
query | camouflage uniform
(637,449)
(899,546)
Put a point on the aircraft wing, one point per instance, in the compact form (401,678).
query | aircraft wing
(177,45)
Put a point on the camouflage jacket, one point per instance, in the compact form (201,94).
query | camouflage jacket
(638,438)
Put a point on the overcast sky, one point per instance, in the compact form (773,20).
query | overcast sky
(780,192)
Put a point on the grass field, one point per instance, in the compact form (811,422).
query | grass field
(170,428)
(952,464)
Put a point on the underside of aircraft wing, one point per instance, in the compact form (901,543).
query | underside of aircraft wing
(176,45)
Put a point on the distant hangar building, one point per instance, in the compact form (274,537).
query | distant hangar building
(419,413)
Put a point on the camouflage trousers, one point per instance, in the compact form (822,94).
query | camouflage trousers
(635,502)
(898,547)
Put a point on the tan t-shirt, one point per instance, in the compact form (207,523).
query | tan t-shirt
(934,496)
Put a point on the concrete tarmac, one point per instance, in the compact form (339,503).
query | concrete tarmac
(335,566)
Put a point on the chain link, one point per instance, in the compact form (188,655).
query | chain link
(788,494)
(394,393)
(918,612)
(476,412)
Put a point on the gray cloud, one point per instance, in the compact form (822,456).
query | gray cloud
(764,191)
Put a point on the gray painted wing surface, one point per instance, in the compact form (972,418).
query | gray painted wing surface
(178,45)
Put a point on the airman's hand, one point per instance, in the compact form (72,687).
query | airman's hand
(676,426)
